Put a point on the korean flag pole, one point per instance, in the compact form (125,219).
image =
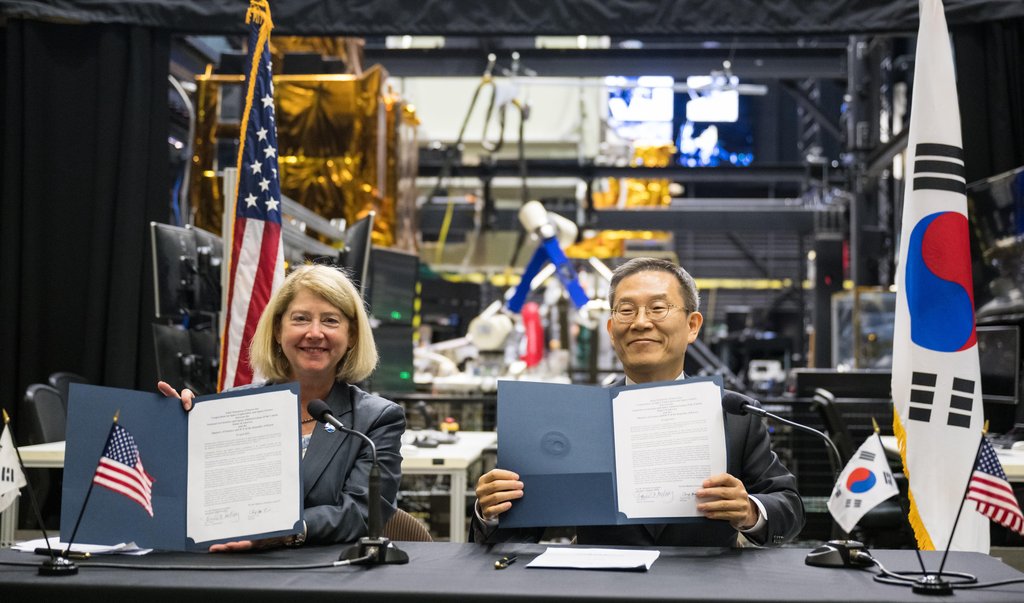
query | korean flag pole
(56,565)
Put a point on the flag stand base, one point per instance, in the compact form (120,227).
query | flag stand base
(58,566)
(932,584)
(839,553)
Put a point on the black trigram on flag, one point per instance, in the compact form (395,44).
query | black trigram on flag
(960,406)
(939,167)
(855,503)
(866,456)
(922,398)
(6,474)
(922,395)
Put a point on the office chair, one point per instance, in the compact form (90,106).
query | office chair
(42,418)
(62,380)
(886,524)
(404,527)
(43,415)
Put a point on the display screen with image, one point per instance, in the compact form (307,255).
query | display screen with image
(710,126)
(715,128)
(641,108)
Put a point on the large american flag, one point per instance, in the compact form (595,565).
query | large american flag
(256,269)
(992,492)
(121,470)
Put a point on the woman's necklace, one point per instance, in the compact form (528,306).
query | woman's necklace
(309,420)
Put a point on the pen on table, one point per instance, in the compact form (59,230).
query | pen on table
(69,555)
(505,561)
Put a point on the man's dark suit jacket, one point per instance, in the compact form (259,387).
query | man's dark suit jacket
(750,459)
(336,466)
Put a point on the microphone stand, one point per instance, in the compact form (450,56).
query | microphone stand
(374,548)
(834,553)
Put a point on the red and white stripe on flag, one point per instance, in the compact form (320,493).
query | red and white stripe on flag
(120,469)
(256,267)
(992,492)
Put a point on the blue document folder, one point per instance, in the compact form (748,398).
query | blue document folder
(159,427)
(560,440)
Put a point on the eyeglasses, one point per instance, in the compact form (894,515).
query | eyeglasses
(658,311)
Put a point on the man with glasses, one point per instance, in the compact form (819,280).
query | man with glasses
(654,317)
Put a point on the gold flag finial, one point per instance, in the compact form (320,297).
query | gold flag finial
(984,430)
(874,424)
(117,414)
(259,12)
(7,419)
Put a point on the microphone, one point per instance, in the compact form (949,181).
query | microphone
(738,404)
(374,548)
(834,553)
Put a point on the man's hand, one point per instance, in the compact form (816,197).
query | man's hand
(495,491)
(185,397)
(725,498)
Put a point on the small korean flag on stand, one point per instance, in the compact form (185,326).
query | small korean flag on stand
(864,484)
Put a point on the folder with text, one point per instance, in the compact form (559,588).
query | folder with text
(590,455)
(227,470)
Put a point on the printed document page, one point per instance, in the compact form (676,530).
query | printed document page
(243,474)
(584,558)
(668,440)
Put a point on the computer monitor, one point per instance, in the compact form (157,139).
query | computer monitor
(857,383)
(999,357)
(209,261)
(356,256)
(186,358)
(996,212)
(392,286)
(174,270)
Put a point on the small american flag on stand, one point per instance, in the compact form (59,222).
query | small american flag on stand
(121,470)
(992,492)
(256,268)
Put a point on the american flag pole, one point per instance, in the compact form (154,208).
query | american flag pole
(88,492)
(253,225)
(963,498)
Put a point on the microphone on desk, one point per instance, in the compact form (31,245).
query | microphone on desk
(834,553)
(374,548)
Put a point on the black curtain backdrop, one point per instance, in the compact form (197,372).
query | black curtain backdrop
(85,168)
(521,17)
(990,87)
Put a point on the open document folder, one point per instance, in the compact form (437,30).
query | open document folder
(609,456)
(227,470)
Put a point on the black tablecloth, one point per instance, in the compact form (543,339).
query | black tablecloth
(465,572)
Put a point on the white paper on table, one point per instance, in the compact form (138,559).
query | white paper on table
(124,548)
(243,473)
(668,440)
(585,558)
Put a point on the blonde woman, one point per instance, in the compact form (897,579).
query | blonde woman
(315,331)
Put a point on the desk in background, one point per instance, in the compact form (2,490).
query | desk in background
(1011,460)
(448,459)
(442,571)
(476,412)
(452,460)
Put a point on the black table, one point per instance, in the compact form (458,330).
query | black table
(465,572)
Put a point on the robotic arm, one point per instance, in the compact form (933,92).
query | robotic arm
(553,231)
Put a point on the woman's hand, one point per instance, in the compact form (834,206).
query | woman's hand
(186,395)
(241,546)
